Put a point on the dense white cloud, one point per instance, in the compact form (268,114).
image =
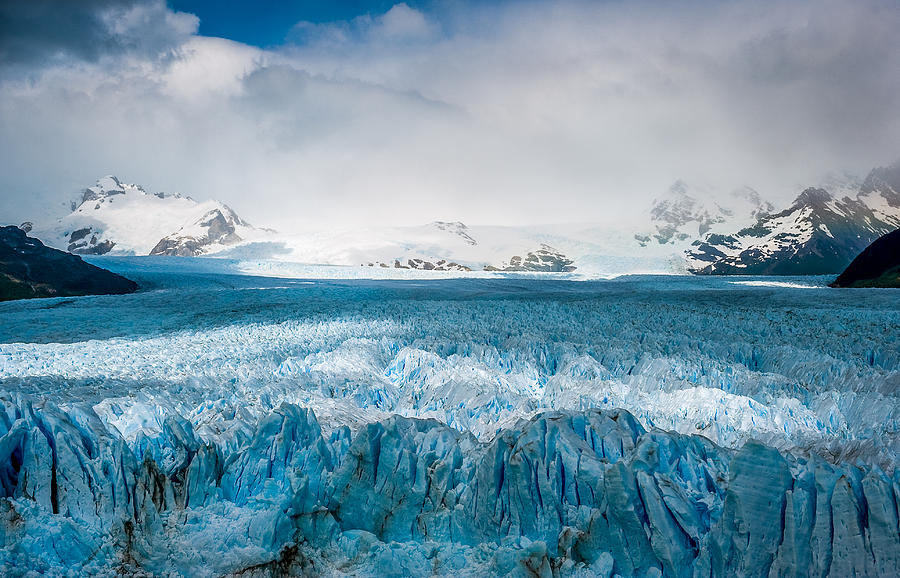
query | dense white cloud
(209,67)
(526,112)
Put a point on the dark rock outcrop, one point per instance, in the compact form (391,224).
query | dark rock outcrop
(85,242)
(423,265)
(546,260)
(30,269)
(877,266)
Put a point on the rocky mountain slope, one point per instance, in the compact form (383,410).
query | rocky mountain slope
(29,269)
(217,228)
(689,228)
(687,213)
(818,234)
(117,218)
(877,266)
(546,259)
(124,219)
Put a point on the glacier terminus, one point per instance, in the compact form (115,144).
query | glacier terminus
(217,423)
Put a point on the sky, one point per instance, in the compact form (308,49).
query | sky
(267,23)
(307,115)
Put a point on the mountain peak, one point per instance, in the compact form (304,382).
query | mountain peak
(218,226)
(455,228)
(813,196)
(109,182)
(677,206)
(449,224)
(679,188)
(883,180)
(125,218)
(679,215)
(105,187)
(820,233)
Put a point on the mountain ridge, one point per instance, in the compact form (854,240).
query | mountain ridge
(690,228)
(817,234)
(29,269)
(112,217)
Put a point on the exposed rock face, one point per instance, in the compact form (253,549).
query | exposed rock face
(90,239)
(546,259)
(587,492)
(85,242)
(881,192)
(29,269)
(217,227)
(106,187)
(673,213)
(425,265)
(877,266)
(818,234)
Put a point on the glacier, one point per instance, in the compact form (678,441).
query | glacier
(218,423)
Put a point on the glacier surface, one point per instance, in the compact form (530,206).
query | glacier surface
(217,423)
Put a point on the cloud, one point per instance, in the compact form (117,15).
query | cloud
(763,93)
(210,67)
(41,32)
(517,113)
(399,26)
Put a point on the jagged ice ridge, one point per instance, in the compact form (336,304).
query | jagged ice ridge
(218,424)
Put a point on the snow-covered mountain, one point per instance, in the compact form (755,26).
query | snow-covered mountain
(116,218)
(546,259)
(880,193)
(124,219)
(587,250)
(216,229)
(689,228)
(673,222)
(686,213)
(818,234)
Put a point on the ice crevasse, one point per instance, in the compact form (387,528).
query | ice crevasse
(564,493)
